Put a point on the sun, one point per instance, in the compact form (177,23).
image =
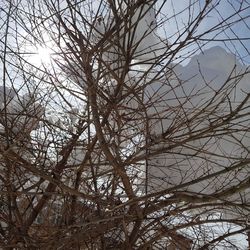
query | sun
(41,56)
(44,54)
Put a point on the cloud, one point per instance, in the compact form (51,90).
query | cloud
(184,108)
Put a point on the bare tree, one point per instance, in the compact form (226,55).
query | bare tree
(124,124)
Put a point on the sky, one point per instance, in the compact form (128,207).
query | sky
(223,10)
